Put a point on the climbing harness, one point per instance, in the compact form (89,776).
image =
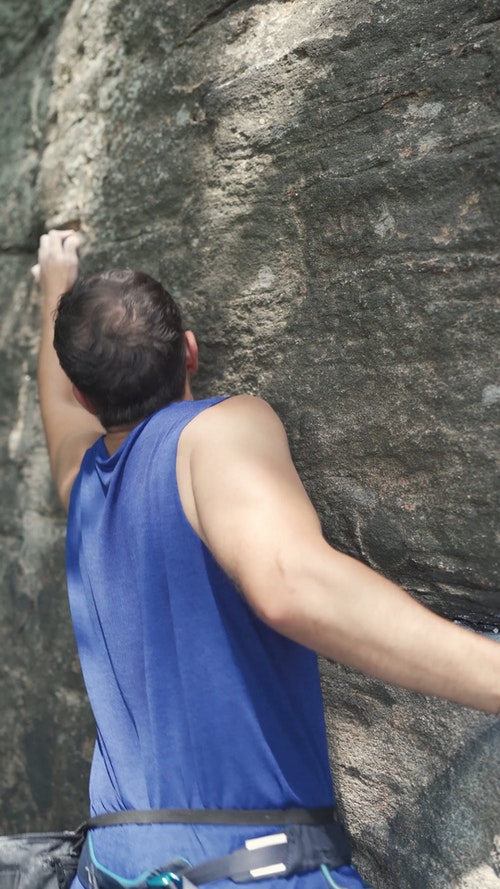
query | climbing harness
(305,840)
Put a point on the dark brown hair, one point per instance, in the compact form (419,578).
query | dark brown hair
(119,338)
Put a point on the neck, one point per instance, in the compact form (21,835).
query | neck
(116,435)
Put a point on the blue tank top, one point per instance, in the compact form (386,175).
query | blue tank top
(197,702)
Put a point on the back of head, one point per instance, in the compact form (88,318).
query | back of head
(119,338)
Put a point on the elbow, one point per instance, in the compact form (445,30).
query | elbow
(272,609)
(306,596)
(279,594)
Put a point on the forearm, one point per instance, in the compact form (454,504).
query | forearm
(347,612)
(53,384)
(69,429)
(54,276)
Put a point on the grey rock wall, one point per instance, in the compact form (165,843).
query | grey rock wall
(317,184)
(45,729)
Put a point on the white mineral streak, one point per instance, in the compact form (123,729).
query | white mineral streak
(481,877)
(17,432)
(490,395)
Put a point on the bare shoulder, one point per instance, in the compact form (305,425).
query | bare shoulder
(240,408)
(225,454)
(241,418)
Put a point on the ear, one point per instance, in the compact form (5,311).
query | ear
(191,352)
(83,400)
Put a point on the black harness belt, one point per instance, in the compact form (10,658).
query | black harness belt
(309,838)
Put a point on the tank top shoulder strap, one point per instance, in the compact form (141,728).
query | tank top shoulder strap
(170,422)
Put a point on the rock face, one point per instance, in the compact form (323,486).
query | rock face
(315,182)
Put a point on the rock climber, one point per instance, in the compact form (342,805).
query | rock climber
(201,588)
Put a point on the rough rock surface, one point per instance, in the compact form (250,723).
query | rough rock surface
(316,183)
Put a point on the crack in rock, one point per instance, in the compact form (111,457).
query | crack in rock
(207,20)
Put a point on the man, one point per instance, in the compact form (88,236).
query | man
(200,584)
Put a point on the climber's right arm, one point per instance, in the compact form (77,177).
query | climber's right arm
(242,495)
